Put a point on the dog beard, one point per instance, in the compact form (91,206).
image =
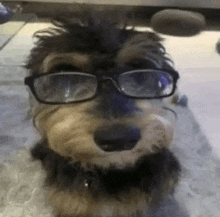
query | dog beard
(149,174)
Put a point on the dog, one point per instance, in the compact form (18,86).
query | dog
(101,98)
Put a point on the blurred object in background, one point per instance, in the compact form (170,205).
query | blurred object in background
(6,13)
(178,22)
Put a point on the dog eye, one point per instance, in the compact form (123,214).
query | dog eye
(146,83)
(163,81)
(65,87)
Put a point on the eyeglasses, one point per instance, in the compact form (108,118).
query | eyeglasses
(70,87)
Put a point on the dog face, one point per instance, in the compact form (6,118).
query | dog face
(101,100)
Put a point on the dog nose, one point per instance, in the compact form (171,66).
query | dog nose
(117,137)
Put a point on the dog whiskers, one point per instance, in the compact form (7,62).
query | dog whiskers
(171,110)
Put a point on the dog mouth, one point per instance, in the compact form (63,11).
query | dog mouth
(117,145)
(117,138)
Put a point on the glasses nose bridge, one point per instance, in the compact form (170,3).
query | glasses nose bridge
(113,81)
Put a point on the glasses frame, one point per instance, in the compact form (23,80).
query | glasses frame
(29,81)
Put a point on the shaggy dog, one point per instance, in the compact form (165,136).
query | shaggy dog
(102,98)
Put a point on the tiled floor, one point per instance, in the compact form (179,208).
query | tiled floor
(195,58)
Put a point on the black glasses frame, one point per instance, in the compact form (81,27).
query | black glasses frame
(29,81)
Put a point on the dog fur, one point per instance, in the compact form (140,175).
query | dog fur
(83,180)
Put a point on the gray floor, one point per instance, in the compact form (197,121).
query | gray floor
(199,64)
(16,129)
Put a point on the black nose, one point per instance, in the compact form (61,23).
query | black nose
(117,137)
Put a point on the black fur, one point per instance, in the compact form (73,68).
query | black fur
(149,173)
(101,39)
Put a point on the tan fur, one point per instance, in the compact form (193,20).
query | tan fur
(78,60)
(82,203)
(70,131)
(172,100)
(138,48)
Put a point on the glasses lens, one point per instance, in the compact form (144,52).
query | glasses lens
(65,87)
(146,83)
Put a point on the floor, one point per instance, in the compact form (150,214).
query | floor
(199,65)
(195,58)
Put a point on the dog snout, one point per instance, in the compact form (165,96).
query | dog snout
(117,137)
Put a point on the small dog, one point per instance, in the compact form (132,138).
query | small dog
(101,104)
